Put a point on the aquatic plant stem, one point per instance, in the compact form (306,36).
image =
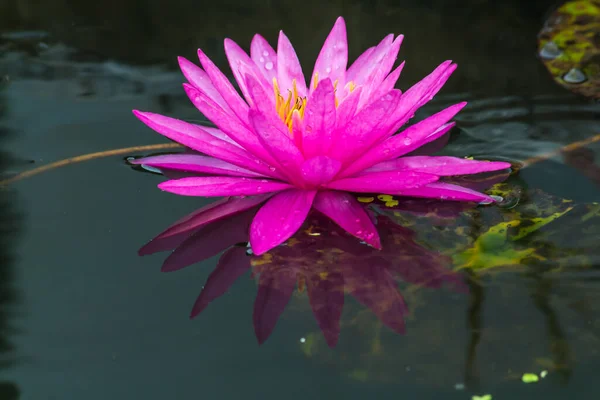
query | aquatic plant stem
(87,157)
(564,149)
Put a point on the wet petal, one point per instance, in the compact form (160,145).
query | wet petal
(406,141)
(264,57)
(196,163)
(275,288)
(383,182)
(319,120)
(262,100)
(347,108)
(241,65)
(333,57)
(213,212)
(364,129)
(232,265)
(198,139)
(349,214)
(288,67)
(200,80)
(440,166)
(213,186)
(388,83)
(231,126)
(224,87)
(421,93)
(447,191)
(275,137)
(319,170)
(279,219)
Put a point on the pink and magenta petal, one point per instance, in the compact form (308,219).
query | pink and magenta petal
(440,166)
(264,57)
(214,186)
(288,67)
(196,163)
(447,191)
(319,170)
(333,57)
(349,214)
(201,81)
(279,219)
(389,182)
(319,120)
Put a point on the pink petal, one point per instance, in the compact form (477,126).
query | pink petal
(319,170)
(347,108)
(279,219)
(326,297)
(209,241)
(241,65)
(275,288)
(406,141)
(196,163)
(446,191)
(364,129)
(275,137)
(198,139)
(381,66)
(200,80)
(297,129)
(349,214)
(219,134)
(319,120)
(213,186)
(333,57)
(224,87)
(213,212)
(421,93)
(389,182)
(440,166)
(264,56)
(232,264)
(231,126)
(262,100)
(388,83)
(357,66)
(370,64)
(288,67)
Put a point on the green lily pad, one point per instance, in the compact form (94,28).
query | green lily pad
(569,46)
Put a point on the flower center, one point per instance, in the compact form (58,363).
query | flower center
(285,106)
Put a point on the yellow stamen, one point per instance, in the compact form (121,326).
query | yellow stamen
(316,80)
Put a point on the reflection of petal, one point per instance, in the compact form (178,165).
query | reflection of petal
(326,296)
(275,288)
(231,266)
(375,288)
(210,240)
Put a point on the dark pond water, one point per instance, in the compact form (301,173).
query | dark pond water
(82,316)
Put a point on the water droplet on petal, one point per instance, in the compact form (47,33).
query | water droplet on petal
(269,66)
(328,70)
(359,232)
(407,140)
(261,59)
(265,53)
(272,169)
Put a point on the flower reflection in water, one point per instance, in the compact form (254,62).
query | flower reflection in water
(321,259)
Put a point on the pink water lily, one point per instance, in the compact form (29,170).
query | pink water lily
(297,146)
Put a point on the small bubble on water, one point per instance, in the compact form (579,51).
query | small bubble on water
(269,66)
(550,51)
(302,340)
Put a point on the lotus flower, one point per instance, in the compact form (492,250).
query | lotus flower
(294,146)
